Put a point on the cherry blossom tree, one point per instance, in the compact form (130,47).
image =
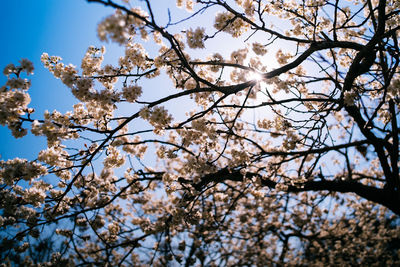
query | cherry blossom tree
(288,155)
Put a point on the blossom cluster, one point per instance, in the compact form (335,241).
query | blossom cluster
(157,116)
(189,4)
(98,103)
(349,97)
(25,66)
(67,73)
(227,22)
(247,5)
(55,156)
(55,127)
(114,158)
(14,169)
(131,93)
(282,57)
(195,38)
(238,56)
(92,60)
(114,28)
(259,49)
(134,147)
(121,28)
(135,56)
(14,98)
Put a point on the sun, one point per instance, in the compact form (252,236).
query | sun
(255,76)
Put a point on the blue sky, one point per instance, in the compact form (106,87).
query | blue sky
(29,28)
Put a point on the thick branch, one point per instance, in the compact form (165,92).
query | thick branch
(383,196)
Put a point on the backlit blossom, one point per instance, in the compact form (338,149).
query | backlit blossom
(195,39)
(131,93)
(259,49)
(227,22)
